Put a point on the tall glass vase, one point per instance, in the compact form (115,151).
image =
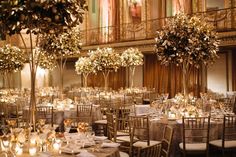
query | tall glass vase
(132,71)
(33,97)
(185,81)
(105,75)
(85,83)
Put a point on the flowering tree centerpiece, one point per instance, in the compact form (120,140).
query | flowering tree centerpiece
(105,60)
(84,66)
(12,59)
(61,45)
(35,17)
(131,58)
(187,42)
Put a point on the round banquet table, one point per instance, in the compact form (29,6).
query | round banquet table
(157,127)
(60,115)
(103,152)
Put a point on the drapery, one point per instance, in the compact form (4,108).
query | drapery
(234,70)
(168,79)
(116,79)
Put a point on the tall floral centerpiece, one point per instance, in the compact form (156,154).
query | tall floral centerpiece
(105,60)
(131,58)
(30,18)
(187,42)
(84,66)
(12,59)
(63,45)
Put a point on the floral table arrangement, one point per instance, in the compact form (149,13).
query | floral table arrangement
(187,42)
(131,58)
(105,60)
(84,66)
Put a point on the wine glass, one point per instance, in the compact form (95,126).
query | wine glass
(41,123)
(6,143)
(11,123)
(67,125)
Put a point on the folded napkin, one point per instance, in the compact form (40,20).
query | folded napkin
(179,121)
(155,119)
(110,145)
(100,138)
(85,154)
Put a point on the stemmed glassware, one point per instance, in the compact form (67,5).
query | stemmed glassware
(67,125)
(41,124)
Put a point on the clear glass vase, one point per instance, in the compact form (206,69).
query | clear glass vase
(85,76)
(132,72)
(105,75)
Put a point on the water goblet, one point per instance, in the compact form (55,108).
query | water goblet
(67,125)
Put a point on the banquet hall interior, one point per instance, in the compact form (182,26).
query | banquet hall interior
(117,78)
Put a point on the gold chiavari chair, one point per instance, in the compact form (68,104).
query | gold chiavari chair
(228,140)
(13,113)
(123,139)
(100,126)
(3,112)
(84,113)
(45,112)
(140,133)
(111,127)
(195,135)
(150,151)
(166,141)
(122,114)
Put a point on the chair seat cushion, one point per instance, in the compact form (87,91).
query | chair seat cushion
(123,138)
(193,146)
(143,144)
(228,144)
(123,154)
(119,133)
(101,122)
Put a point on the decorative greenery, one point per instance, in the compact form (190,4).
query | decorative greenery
(40,16)
(105,59)
(61,45)
(131,57)
(187,40)
(84,66)
(66,44)
(12,59)
(44,60)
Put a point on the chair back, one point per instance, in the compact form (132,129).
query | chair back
(122,119)
(45,112)
(84,109)
(139,126)
(150,151)
(111,127)
(84,113)
(196,130)
(12,112)
(105,103)
(229,129)
(166,141)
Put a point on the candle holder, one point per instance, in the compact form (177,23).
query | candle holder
(32,150)
(83,127)
(67,125)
